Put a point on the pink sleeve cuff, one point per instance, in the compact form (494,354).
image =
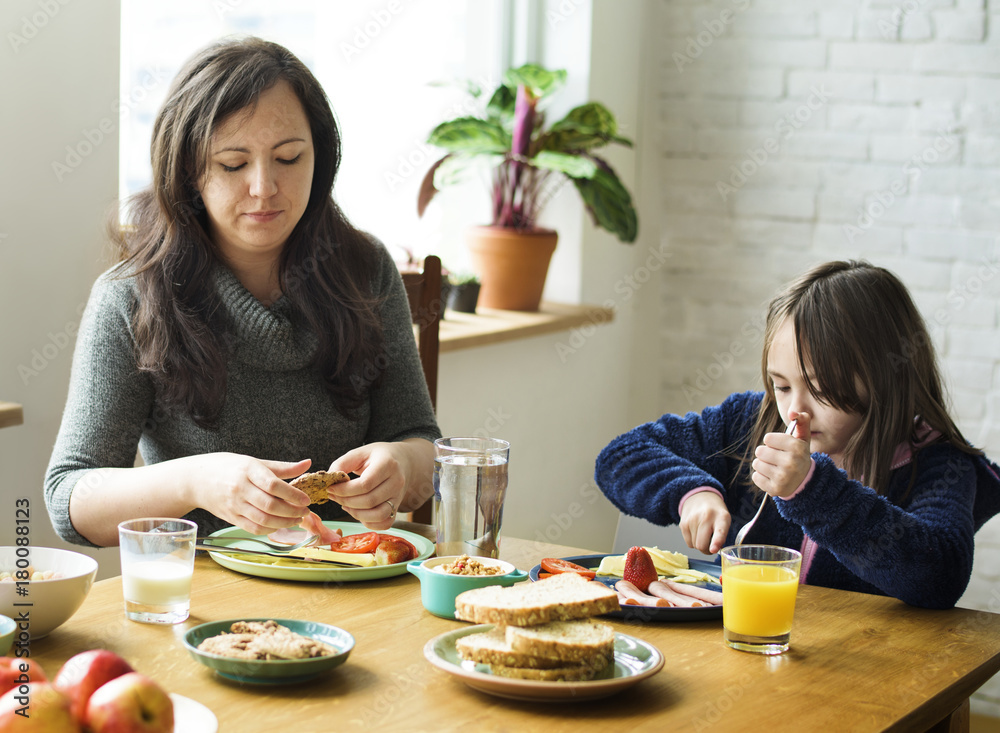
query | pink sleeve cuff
(812,469)
(696,490)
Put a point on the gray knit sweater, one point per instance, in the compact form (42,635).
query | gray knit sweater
(276,408)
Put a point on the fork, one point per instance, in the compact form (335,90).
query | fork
(273,545)
(746,527)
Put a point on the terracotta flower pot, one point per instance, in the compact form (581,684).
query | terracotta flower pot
(512,265)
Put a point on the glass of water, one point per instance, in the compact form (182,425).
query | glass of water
(470,484)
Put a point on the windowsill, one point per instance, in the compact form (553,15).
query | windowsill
(10,414)
(488,326)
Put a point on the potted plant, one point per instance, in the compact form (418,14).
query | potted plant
(528,161)
(463,292)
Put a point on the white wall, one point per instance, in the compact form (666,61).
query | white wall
(59,86)
(861,129)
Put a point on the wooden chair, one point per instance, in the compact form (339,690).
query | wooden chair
(423,289)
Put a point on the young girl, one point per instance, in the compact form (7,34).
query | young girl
(875,485)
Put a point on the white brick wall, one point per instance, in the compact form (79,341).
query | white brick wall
(796,132)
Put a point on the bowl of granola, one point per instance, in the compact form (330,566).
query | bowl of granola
(54,581)
(268,651)
(443,578)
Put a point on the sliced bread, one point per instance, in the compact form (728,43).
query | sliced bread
(491,647)
(586,641)
(576,673)
(562,597)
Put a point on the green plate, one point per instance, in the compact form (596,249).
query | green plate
(635,660)
(263,567)
(273,671)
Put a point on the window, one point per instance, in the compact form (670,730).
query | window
(376,60)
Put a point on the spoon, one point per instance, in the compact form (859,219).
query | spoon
(273,545)
(746,527)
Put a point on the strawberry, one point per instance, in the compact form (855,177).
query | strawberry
(639,569)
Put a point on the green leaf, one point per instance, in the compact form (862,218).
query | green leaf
(574,166)
(609,204)
(539,80)
(470,135)
(590,125)
(501,104)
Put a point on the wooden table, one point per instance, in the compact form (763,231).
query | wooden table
(10,414)
(857,663)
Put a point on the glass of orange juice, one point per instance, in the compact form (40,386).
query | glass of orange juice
(157,556)
(759,584)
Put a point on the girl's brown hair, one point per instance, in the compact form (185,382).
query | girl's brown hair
(326,268)
(857,328)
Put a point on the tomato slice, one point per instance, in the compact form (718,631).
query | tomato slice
(361,542)
(558,565)
(396,538)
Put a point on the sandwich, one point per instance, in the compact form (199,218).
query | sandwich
(542,630)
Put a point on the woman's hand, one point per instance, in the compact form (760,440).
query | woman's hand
(783,461)
(250,493)
(392,478)
(705,522)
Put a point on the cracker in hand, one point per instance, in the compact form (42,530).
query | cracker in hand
(317,484)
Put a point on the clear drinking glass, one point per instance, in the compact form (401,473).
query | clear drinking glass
(470,483)
(759,586)
(157,557)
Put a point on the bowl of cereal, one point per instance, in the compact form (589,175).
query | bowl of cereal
(443,578)
(55,582)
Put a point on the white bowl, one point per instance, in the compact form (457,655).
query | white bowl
(52,601)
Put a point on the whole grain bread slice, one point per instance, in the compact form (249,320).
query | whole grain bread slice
(317,483)
(562,597)
(491,647)
(569,641)
(574,673)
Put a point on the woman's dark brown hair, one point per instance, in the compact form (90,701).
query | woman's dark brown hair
(857,328)
(326,268)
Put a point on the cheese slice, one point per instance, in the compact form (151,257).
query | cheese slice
(361,559)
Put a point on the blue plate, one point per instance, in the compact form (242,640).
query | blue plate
(652,613)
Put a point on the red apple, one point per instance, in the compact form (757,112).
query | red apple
(132,703)
(43,709)
(82,674)
(14,672)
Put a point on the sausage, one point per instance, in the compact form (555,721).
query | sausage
(712,597)
(630,591)
(662,590)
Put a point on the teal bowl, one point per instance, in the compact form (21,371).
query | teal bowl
(271,671)
(8,630)
(439,589)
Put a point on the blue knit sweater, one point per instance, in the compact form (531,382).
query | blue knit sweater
(918,549)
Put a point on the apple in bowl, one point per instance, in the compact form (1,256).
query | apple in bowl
(132,703)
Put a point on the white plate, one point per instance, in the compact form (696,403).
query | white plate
(635,660)
(190,716)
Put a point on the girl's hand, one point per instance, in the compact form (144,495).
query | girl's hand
(705,522)
(387,473)
(783,461)
(248,492)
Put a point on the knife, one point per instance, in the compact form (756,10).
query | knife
(283,555)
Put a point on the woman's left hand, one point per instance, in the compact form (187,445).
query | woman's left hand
(392,478)
(783,461)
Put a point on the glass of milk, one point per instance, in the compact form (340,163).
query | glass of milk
(470,485)
(157,563)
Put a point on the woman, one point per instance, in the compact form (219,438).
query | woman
(249,331)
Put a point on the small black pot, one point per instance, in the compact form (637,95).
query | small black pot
(463,298)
